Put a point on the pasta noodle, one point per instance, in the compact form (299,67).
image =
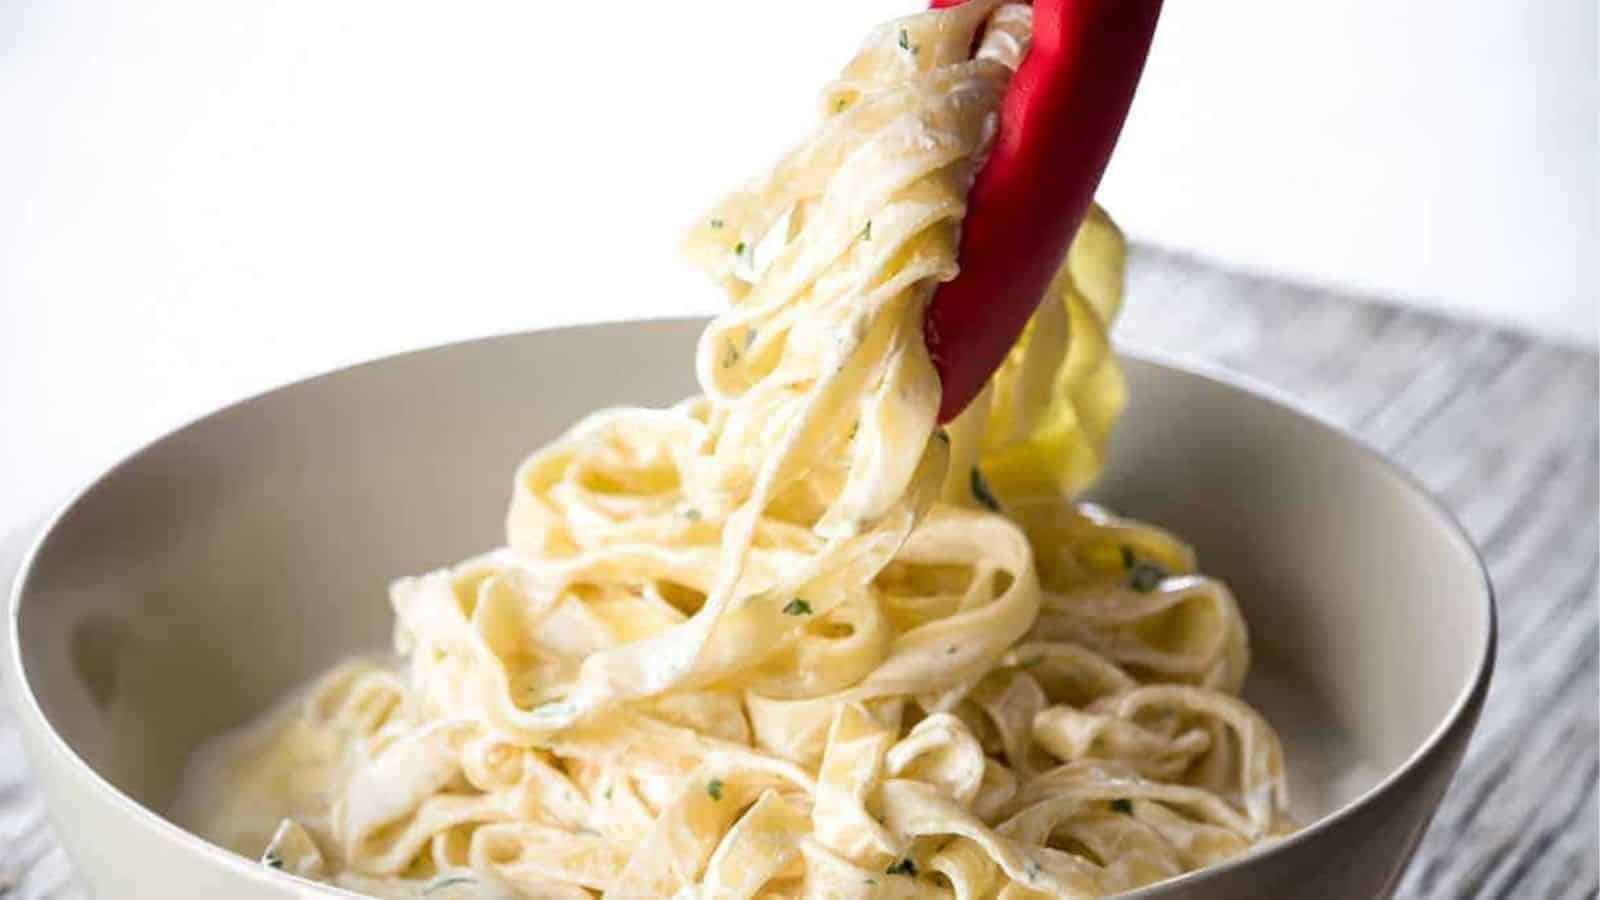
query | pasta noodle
(789,638)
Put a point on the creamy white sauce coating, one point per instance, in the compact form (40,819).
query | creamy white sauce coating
(788,638)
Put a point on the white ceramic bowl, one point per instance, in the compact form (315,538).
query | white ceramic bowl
(206,574)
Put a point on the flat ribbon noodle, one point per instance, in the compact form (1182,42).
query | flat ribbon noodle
(789,638)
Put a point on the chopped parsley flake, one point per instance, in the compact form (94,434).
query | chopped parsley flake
(866,233)
(981,492)
(1032,870)
(716,223)
(1032,661)
(738,249)
(714,788)
(1122,805)
(797,607)
(942,435)
(1142,576)
(905,42)
(608,793)
(872,881)
(691,514)
(1146,576)
(950,649)
(450,881)
(272,860)
(903,867)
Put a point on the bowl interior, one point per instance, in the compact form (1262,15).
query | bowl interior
(217,568)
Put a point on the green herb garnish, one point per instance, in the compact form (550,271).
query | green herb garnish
(1146,577)
(1142,576)
(1031,662)
(797,607)
(716,223)
(738,249)
(1122,805)
(714,788)
(866,232)
(272,860)
(981,492)
(903,867)
(691,514)
(905,42)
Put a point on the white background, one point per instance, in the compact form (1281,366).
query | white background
(203,198)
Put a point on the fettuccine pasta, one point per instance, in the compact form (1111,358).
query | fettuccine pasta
(790,638)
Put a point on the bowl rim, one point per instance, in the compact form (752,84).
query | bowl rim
(1462,713)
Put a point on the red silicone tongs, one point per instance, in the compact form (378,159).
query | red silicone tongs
(1059,119)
